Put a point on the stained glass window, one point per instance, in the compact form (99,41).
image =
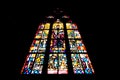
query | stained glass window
(56,36)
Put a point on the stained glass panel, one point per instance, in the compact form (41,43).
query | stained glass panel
(34,46)
(86,63)
(57,34)
(38,34)
(38,65)
(45,34)
(47,26)
(42,45)
(58,25)
(27,68)
(63,64)
(77,46)
(71,26)
(77,65)
(41,26)
(53,64)
(57,64)
(57,45)
(73,34)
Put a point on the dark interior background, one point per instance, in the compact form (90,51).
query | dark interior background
(24,18)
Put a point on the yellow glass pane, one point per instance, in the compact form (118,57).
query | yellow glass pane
(47,25)
(58,26)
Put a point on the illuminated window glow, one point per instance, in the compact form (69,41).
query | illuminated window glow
(50,16)
(65,16)
(57,53)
